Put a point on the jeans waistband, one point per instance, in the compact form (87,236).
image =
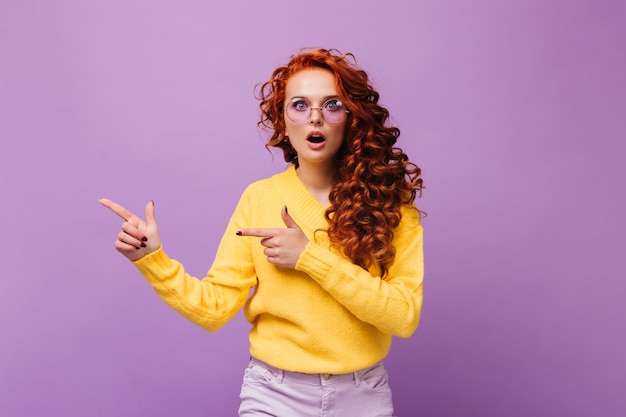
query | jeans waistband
(316,379)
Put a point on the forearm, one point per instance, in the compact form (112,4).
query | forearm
(206,302)
(393,305)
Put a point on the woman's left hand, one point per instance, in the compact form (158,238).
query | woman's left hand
(283,246)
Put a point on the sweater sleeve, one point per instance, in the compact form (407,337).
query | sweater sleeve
(392,305)
(214,300)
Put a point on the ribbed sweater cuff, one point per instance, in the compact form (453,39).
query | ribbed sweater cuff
(316,261)
(155,261)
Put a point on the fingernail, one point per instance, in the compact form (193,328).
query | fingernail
(152,201)
(143,245)
(286,211)
(239,233)
(137,247)
(145,239)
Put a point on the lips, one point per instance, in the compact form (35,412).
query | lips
(315,137)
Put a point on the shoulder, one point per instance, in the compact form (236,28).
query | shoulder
(265,185)
(411,218)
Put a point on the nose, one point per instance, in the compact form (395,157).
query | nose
(316,116)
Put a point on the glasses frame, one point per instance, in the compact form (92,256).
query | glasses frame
(311,108)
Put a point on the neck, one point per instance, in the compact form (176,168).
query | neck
(318,179)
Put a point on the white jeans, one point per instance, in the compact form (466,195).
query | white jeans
(269,391)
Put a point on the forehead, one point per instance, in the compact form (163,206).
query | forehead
(311,83)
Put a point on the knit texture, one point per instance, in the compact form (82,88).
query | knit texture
(327,315)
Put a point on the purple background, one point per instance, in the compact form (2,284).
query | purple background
(515,110)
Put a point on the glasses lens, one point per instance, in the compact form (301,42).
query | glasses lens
(298,111)
(333,111)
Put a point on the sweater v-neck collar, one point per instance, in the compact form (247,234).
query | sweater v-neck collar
(302,206)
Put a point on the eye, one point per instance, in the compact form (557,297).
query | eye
(333,105)
(299,105)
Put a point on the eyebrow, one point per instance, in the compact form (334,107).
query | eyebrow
(324,99)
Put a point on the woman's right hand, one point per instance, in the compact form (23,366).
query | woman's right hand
(137,238)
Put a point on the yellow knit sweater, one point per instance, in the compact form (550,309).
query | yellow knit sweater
(326,316)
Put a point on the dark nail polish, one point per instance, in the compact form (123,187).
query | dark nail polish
(145,239)
(152,201)
(286,211)
(137,247)
(239,233)
(143,245)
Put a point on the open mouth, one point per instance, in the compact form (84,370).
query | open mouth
(315,136)
(315,139)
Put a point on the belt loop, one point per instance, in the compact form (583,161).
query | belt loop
(357,379)
(279,374)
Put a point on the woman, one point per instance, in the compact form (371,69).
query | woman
(332,247)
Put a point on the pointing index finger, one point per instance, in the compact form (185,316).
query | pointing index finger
(258,232)
(116,208)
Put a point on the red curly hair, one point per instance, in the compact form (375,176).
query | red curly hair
(373,177)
